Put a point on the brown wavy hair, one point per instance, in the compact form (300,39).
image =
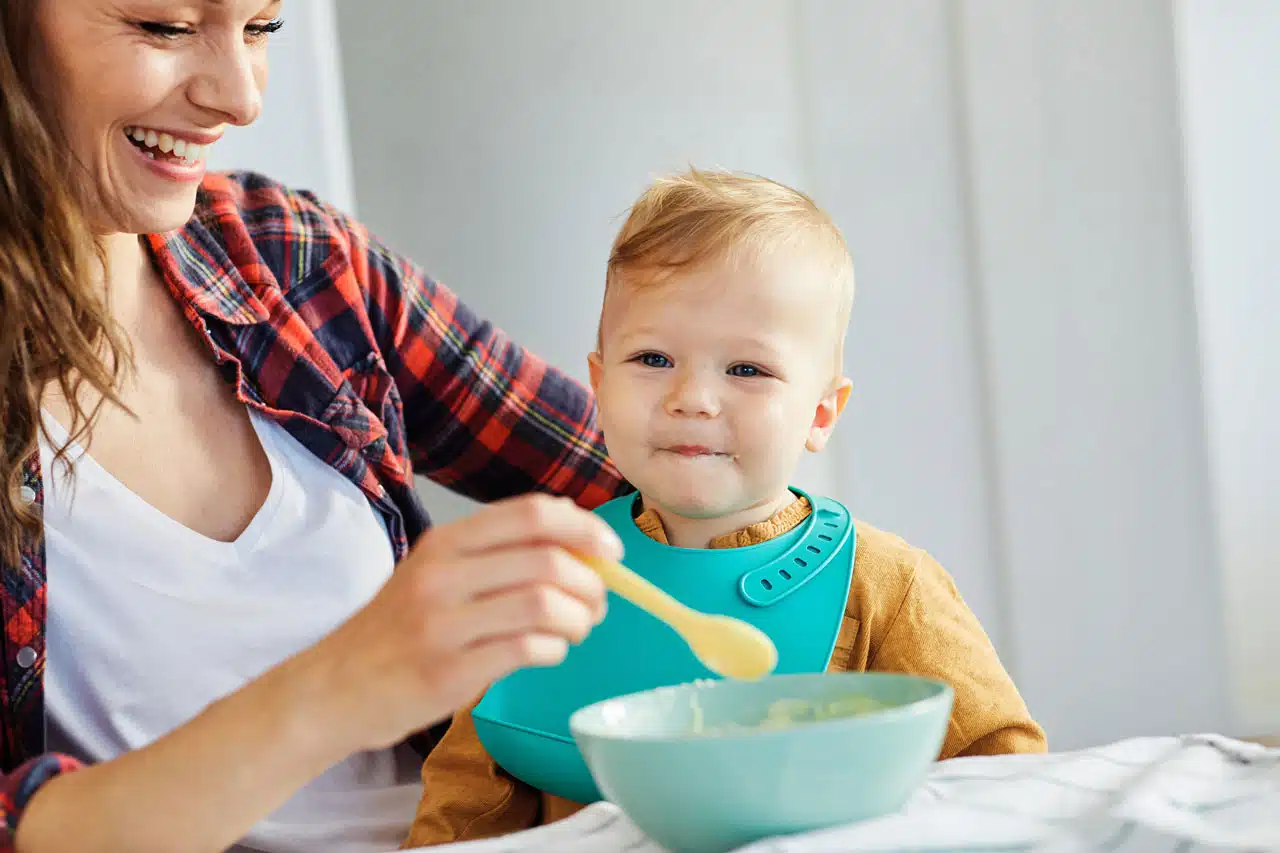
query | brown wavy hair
(54,323)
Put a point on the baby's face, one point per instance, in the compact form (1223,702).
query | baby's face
(712,383)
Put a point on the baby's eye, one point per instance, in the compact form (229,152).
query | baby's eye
(745,370)
(653,359)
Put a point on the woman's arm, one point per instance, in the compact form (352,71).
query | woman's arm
(473,601)
(484,416)
(202,786)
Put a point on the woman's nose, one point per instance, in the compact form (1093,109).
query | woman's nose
(230,83)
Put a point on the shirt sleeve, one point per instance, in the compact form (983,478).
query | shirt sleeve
(934,634)
(466,795)
(483,416)
(17,789)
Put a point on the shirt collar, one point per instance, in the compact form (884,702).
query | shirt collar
(219,280)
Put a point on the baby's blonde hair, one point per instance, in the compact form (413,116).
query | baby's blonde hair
(684,220)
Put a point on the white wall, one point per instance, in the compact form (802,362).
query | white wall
(301,138)
(1229,67)
(1076,190)
(1024,344)
(878,95)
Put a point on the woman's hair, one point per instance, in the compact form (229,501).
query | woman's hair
(54,321)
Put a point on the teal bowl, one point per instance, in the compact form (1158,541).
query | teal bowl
(713,791)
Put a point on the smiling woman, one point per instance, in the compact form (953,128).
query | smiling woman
(187,71)
(228,619)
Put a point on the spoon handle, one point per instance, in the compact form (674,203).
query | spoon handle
(640,592)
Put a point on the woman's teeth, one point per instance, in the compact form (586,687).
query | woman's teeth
(166,146)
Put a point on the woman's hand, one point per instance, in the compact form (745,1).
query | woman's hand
(473,601)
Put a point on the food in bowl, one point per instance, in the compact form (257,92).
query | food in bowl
(786,713)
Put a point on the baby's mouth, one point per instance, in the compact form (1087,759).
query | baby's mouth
(692,451)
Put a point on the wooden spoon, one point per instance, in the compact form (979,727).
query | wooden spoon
(726,646)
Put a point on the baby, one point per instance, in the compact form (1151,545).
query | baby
(719,362)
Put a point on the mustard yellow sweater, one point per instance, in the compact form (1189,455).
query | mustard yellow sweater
(903,615)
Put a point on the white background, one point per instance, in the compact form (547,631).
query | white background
(1059,213)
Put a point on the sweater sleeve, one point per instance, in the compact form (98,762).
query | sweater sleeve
(466,795)
(934,634)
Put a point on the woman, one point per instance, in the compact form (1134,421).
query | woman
(203,621)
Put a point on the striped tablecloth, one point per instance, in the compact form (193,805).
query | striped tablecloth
(1194,794)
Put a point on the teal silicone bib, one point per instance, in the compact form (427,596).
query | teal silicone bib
(794,588)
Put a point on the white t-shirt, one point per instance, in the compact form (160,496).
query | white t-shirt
(149,622)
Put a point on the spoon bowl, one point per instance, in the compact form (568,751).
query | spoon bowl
(730,647)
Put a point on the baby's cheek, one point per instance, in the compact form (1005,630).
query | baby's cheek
(774,459)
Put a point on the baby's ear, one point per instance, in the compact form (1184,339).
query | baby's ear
(594,367)
(827,413)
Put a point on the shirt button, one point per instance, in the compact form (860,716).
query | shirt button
(26,657)
(27,495)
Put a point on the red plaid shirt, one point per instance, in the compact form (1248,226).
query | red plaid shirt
(373,366)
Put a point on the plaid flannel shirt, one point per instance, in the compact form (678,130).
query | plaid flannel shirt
(373,366)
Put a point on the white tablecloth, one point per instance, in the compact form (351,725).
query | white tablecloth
(1194,794)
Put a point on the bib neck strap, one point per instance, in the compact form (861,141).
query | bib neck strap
(820,538)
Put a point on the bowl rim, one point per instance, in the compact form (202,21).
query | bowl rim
(579,725)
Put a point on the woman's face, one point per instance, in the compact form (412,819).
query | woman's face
(142,88)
